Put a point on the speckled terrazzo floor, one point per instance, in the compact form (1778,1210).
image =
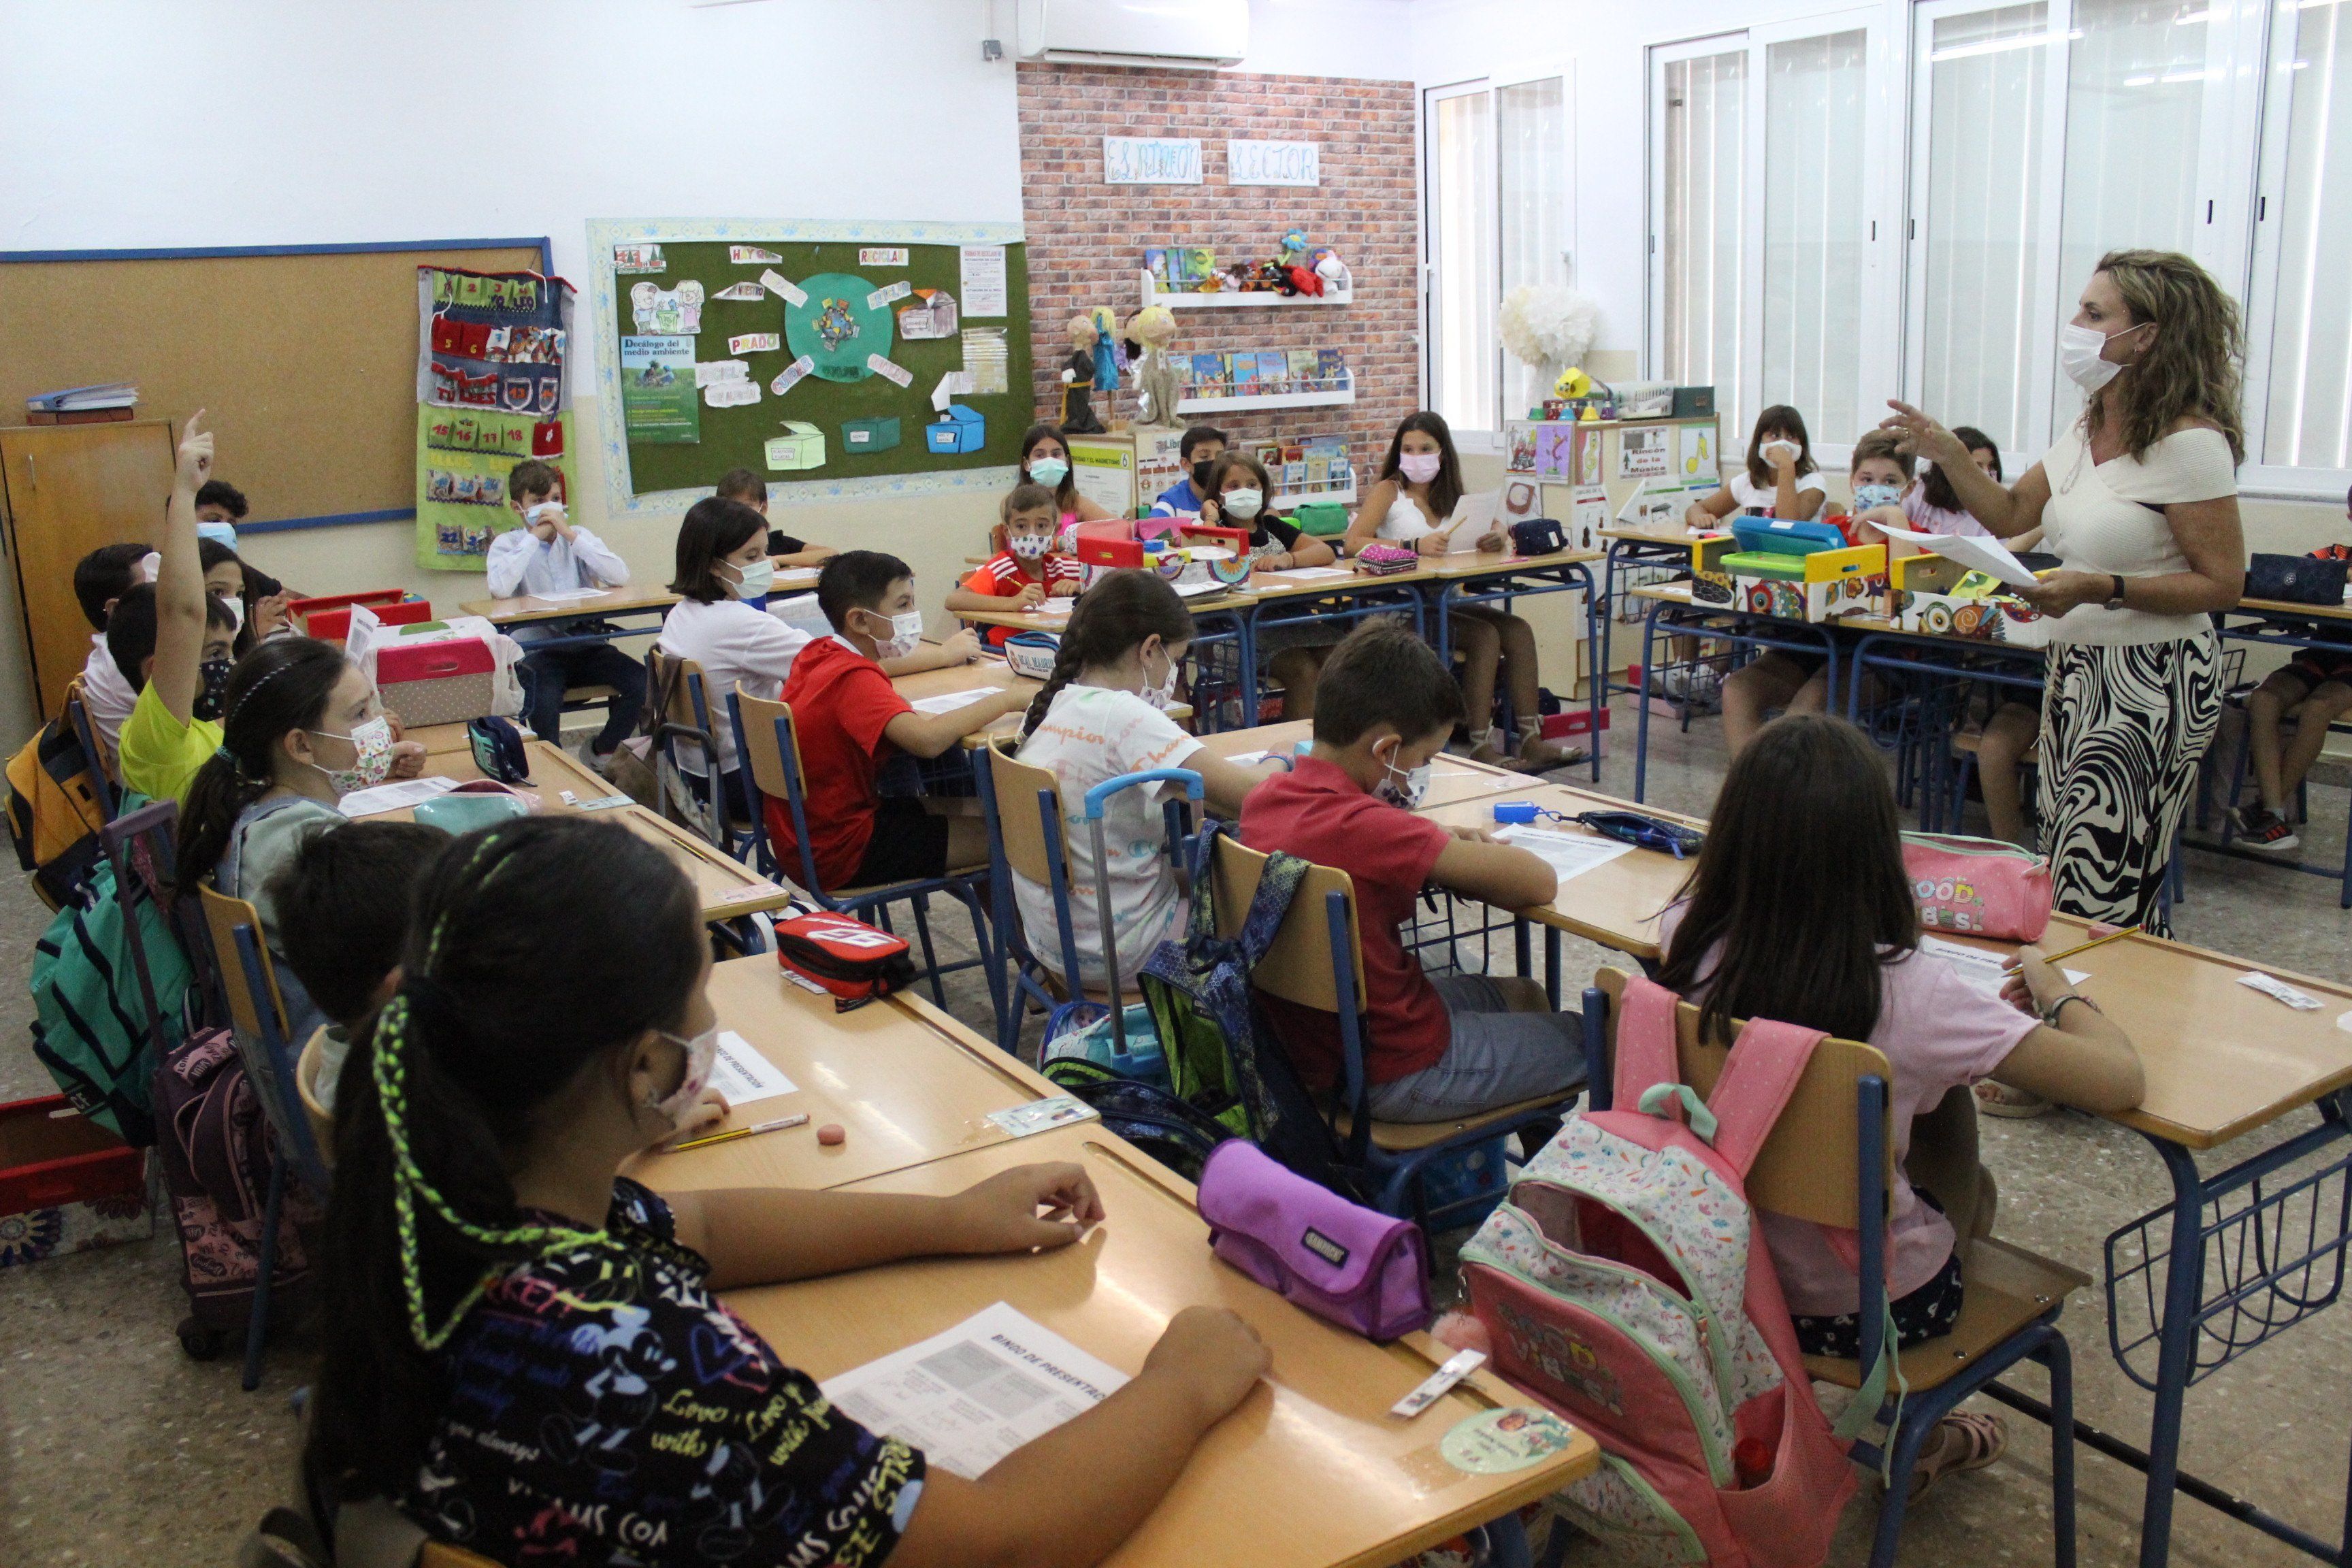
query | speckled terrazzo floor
(116,1449)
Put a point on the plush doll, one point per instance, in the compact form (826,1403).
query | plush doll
(1110,350)
(1332,270)
(1152,330)
(1078,379)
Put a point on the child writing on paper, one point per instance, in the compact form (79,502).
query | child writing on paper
(788,553)
(550,555)
(524,1352)
(1832,942)
(1025,569)
(1413,502)
(1101,714)
(1437,1048)
(1779,479)
(1239,493)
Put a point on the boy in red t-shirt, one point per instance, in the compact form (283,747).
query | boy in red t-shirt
(1024,568)
(1436,1049)
(846,714)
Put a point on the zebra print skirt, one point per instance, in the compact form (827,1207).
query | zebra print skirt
(2123,729)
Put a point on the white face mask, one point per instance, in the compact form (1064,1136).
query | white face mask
(1164,695)
(1772,450)
(372,761)
(756,579)
(234,605)
(906,631)
(1243,504)
(1420,466)
(1048,471)
(2079,351)
(701,1052)
(1029,546)
(1406,795)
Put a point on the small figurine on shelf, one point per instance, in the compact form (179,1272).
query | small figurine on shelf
(1152,330)
(1294,248)
(1332,270)
(1078,379)
(1110,350)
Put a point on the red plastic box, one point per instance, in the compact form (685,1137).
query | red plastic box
(67,1184)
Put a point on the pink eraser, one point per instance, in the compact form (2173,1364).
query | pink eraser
(832,1132)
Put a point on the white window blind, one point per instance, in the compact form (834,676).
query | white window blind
(1532,185)
(1815,230)
(1702,229)
(1463,290)
(2306,353)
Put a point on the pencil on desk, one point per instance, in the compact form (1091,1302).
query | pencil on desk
(777,1125)
(2087,946)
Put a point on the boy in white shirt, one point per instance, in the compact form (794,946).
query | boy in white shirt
(101,578)
(548,555)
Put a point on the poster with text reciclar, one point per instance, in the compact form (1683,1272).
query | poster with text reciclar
(492,389)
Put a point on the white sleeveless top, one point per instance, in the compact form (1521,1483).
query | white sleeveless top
(2109,517)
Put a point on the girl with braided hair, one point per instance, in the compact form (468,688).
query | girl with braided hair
(524,1353)
(1101,715)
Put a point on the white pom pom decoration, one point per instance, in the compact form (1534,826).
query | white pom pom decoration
(1545,325)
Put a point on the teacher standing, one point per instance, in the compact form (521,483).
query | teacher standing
(2139,501)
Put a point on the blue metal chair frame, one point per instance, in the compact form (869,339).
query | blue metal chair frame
(1341,604)
(1512,577)
(666,734)
(1910,1417)
(2241,757)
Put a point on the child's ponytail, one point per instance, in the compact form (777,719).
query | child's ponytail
(283,684)
(1115,615)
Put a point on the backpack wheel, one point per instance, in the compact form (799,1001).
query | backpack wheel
(199,1342)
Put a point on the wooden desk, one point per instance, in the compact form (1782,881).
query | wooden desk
(1616,904)
(906,1082)
(1451,778)
(1310,1471)
(792,580)
(987,672)
(1456,564)
(439,739)
(524,608)
(1054,614)
(1661,538)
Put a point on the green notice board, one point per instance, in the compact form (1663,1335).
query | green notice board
(837,325)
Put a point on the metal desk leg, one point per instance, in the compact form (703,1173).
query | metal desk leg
(1597,687)
(1246,660)
(2185,1272)
(1444,638)
(1551,966)
(1641,715)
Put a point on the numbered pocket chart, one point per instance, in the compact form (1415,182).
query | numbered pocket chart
(847,338)
(464,458)
(492,390)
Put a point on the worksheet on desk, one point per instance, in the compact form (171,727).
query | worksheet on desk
(743,1074)
(972,1394)
(392,796)
(948,701)
(1985,969)
(1567,854)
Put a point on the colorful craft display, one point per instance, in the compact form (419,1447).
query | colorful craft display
(491,356)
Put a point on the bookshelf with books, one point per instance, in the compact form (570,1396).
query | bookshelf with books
(1158,292)
(1307,469)
(1264,378)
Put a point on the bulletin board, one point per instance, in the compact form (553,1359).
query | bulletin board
(667,441)
(303,357)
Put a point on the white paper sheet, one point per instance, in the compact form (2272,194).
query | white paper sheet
(1985,969)
(1986,554)
(972,1395)
(359,640)
(392,796)
(948,701)
(1042,1115)
(982,272)
(741,1074)
(1567,854)
(1195,590)
(1248,759)
(1310,573)
(567,595)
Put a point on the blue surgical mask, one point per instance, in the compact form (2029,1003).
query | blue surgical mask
(1048,471)
(756,580)
(1868,496)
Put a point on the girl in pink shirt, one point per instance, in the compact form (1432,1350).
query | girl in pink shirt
(1800,909)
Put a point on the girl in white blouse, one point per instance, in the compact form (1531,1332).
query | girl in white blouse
(2138,501)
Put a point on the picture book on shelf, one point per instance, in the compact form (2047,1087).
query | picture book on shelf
(1274,371)
(1156,262)
(1189,264)
(1305,369)
(1210,371)
(1330,369)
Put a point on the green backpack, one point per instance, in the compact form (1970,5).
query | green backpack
(89,1025)
(1321,519)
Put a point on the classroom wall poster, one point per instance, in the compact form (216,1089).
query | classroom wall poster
(981,275)
(1699,457)
(659,376)
(492,389)
(1641,455)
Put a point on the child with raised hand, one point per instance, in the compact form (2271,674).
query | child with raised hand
(551,555)
(1439,1048)
(1025,569)
(848,718)
(512,1327)
(1101,714)
(788,553)
(1832,942)
(1413,502)
(1779,479)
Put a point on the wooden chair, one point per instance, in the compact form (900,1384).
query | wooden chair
(1027,836)
(256,1010)
(1316,959)
(770,752)
(678,700)
(1817,1165)
(315,1111)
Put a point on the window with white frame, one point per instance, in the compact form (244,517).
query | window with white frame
(1498,198)
(2299,401)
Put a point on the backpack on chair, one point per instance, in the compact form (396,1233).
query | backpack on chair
(54,812)
(1622,1283)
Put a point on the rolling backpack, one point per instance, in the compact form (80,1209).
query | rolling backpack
(1622,1283)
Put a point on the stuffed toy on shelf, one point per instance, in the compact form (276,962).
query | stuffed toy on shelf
(1078,379)
(1152,330)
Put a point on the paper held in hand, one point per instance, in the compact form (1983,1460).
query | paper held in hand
(1986,554)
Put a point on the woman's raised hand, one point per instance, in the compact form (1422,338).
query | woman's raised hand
(1928,439)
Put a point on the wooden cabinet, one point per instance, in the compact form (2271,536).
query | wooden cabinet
(66,489)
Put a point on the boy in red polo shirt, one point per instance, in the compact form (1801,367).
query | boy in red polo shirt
(846,714)
(1436,1049)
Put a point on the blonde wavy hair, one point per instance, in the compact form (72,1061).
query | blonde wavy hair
(2191,370)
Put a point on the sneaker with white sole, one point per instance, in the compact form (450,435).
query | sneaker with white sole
(2260,828)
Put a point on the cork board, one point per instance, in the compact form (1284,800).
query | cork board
(304,361)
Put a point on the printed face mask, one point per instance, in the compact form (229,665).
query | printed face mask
(1048,471)
(209,698)
(701,1052)
(1868,496)
(372,746)
(2079,351)
(1164,695)
(756,579)
(906,631)
(1029,546)
(1242,503)
(1403,787)
(1420,466)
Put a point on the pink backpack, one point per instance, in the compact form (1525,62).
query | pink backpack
(1618,1285)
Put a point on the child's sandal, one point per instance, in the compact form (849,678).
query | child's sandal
(1968,1441)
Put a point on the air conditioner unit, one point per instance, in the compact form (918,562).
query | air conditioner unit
(1182,34)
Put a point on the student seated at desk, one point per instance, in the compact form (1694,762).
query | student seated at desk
(1781,479)
(1774,923)
(788,553)
(848,716)
(1045,460)
(548,554)
(1436,1049)
(1200,449)
(341,906)
(1026,570)
(524,1350)
(1419,484)
(1239,495)
(2315,686)
(1100,715)
(101,579)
